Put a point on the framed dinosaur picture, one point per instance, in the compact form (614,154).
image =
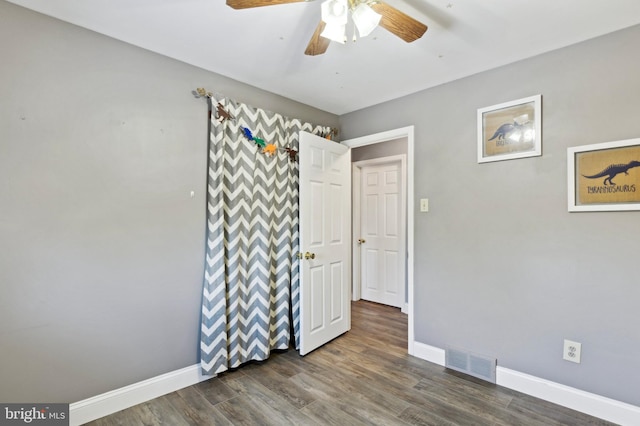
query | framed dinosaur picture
(604,176)
(510,130)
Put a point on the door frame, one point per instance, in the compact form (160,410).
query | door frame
(408,133)
(356,211)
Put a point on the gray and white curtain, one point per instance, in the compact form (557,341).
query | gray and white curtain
(250,290)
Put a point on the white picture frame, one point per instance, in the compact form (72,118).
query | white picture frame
(510,130)
(591,170)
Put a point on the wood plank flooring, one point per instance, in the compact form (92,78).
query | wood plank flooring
(364,377)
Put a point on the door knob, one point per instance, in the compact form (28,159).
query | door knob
(361,241)
(308,255)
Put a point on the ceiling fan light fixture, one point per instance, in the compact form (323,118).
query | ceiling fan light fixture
(335,32)
(365,18)
(335,12)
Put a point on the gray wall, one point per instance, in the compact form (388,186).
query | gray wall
(101,246)
(501,267)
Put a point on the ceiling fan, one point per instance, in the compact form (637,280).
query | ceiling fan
(366,15)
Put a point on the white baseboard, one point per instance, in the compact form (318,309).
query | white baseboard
(595,405)
(405,309)
(428,353)
(107,403)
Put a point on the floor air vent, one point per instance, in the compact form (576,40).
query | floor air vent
(472,364)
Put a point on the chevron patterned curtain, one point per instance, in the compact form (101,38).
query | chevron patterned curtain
(250,291)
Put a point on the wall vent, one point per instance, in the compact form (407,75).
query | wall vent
(472,364)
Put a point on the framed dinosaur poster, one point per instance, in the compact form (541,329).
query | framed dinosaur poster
(604,176)
(510,130)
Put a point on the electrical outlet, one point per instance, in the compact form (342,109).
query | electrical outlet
(424,204)
(572,351)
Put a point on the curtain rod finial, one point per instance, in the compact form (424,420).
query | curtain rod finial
(202,93)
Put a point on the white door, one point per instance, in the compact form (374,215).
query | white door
(325,238)
(382,229)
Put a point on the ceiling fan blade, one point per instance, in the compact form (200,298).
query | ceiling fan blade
(399,23)
(317,45)
(246,4)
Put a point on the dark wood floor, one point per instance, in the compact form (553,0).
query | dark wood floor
(363,377)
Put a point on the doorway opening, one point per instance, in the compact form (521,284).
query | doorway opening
(379,225)
(382,143)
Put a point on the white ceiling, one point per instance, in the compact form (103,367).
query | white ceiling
(265,46)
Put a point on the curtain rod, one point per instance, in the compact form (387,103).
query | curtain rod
(201,92)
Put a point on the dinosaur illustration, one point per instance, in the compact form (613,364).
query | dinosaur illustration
(292,154)
(504,130)
(270,149)
(613,170)
(222,114)
(247,133)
